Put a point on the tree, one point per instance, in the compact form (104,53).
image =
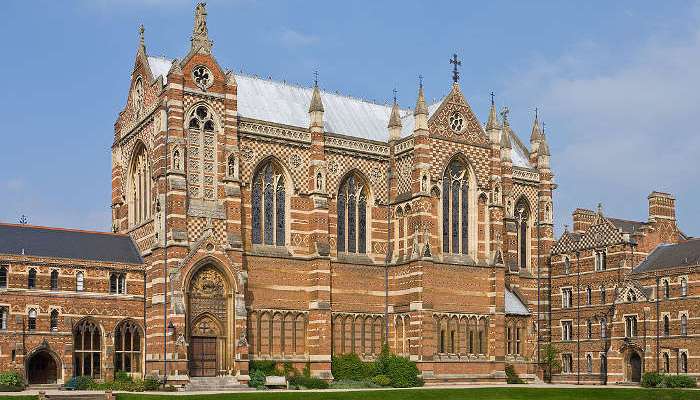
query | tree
(550,360)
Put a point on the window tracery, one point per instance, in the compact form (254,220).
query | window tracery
(523,222)
(201,153)
(140,187)
(269,205)
(87,349)
(127,347)
(352,215)
(455,209)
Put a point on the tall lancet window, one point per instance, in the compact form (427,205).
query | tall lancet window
(352,215)
(522,222)
(139,186)
(201,154)
(269,205)
(455,209)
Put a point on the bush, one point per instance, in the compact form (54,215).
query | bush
(679,381)
(11,381)
(257,379)
(151,383)
(652,379)
(83,382)
(512,376)
(381,380)
(308,382)
(123,376)
(402,372)
(268,367)
(350,367)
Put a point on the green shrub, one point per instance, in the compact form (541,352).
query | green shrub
(11,380)
(350,367)
(308,382)
(257,379)
(84,382)
(381,380)
(402,372)
(652,379)
(512,376)
(151,383)
(122,376)
(268,367)
(679,381)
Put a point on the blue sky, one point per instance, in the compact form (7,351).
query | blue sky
(616,82)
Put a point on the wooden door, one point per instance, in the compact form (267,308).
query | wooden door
(203,356)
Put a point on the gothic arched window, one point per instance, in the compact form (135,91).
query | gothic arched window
(455,208)
(139,187)
(352,215)
(31,279)
(87,349)
(684,325)
(231,166)
(3,277)
(667,363)
(269,205)
(522,221)
(684,363)
(79,282)
(31,320)
(667,289)
(53,318)
(589,364)
(589,295)
(201,153)
(667,325)
(127,347)
(54,280)
(684,287)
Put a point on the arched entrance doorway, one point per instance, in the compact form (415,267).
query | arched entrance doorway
(634,367)
(42,368)
(208,321)
(603,369)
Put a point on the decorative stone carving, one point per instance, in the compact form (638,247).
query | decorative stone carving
(206,326)
(247,154)
(208,283)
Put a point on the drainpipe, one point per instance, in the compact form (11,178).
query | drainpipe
(657,324)
(165,263)
(538,276)
(578,319)
(389,250)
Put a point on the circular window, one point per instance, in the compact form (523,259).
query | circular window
(202,77)
(456,121)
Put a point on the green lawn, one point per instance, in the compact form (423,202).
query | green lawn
(508,393)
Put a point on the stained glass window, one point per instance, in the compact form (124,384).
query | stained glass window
(455,209)
(522,218)
(352,215)
(268,201)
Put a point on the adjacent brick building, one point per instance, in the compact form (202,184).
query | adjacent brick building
(279,222)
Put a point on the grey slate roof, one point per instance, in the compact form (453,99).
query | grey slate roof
(627,226)
(684,254)
(514,306)
(63,243)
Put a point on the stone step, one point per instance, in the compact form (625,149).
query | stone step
(74,396)
(215,383)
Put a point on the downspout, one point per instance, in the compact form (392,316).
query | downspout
(145,323)
(657,324)
(578,319)
(165,263)
(388,255)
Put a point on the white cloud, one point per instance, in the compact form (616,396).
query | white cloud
(623,125)
(293,38)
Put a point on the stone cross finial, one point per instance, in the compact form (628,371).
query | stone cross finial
(200,33)
(504,114)
(456,63)
(142,40)
(492,96)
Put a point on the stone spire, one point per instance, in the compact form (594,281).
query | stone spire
(420,114)
(536,133)
(543,152)
(142,40)
(492,122)
(200,33)
(394,121)
(316,107)
(506,145)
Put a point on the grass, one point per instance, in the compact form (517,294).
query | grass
(507,393)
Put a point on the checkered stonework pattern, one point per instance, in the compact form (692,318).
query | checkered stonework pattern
(196,227)
(601,233)
(404,166)
(293,159)
(455,105)
(443,151)
(145,135)
(528,192)
(373,170)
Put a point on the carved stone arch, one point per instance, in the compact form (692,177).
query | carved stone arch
(43,365)
(211,261)
(207,324)
(291,185)
(464,159)
(354,200)
(215,117)
(138,180)
(458,208)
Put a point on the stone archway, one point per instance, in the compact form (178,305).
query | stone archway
(42,368)
(633,370)
(208,320)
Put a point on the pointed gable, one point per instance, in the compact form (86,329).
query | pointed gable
(455,120)
(601,233)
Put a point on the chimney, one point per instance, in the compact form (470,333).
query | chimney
(661,206)
(583,219)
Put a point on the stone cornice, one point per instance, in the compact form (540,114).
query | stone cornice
(355,144)
(254,128)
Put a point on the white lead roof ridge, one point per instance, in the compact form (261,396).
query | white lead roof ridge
(287,104)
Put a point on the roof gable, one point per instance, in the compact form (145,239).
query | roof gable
(439,123)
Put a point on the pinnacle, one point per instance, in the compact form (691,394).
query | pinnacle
(421,107)
(492,122)
(536,134)
(395,118)
(316,103)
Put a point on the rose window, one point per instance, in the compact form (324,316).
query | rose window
(456,121)
(202,77)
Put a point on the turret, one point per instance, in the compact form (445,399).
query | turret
(493,127)
(543,153)
(394,121)
(316,107)
(420,115)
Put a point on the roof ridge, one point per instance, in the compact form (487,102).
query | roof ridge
(51,228)
(299,86)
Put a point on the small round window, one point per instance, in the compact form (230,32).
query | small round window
(456,121)
(202,77)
